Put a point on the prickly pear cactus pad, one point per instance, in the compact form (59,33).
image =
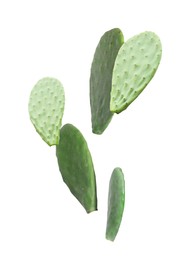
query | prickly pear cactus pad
(101,79)
(135,65)
(46,107)
(76,166)
(116,202)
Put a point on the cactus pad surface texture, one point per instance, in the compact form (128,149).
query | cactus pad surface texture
(135,65)
(76,166)
(46,106)
(101,79)
(116,202)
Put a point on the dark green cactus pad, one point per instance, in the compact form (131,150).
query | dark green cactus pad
(101,79)
(116,202)
(76,166)
(135,65)
(46,107)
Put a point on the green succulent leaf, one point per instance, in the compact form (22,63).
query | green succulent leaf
(101,79)
(76,166)
(116,202)
(135,65)
(46,107)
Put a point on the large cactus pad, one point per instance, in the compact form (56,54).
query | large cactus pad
(46,106)
(135,65)
(76,166)
(101,79)
(116,202)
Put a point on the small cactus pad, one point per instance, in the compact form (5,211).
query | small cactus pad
(135,65)
(46,107)
(76,166)
(116,202)
(101,79)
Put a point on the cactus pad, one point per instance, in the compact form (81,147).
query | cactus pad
(46,106)
(135,65)
(101,79)
(116,202)
(76,166)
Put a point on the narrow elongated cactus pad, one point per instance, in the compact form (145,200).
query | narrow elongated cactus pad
(46,107)
(135,65)
(76,166)
(101,79)
(116,202)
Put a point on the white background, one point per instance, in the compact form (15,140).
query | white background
(39,218)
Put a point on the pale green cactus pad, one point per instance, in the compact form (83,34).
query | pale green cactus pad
(101,78)
(135,65)
(76,166)
(46,107)
(116,202)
